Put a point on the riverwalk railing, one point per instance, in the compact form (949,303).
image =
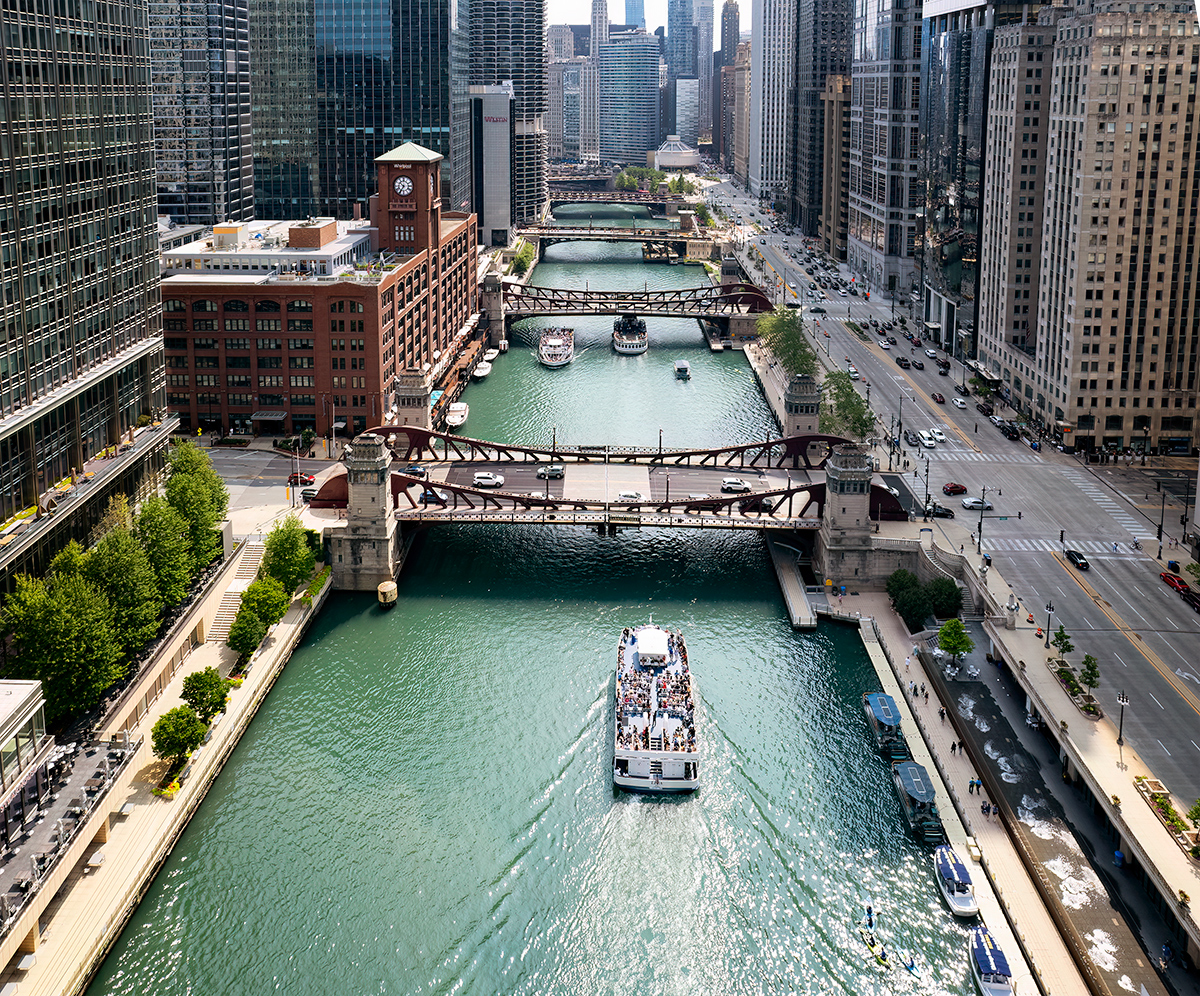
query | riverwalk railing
(616,517)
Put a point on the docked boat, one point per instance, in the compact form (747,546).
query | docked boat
(491,355)
(683,370)
(989,967)
(456,414)
(884,720)
(917,798)
(955,881)
(556,347)
(629,335)
(482,370)
(655,731)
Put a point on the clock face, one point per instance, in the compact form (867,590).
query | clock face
(403,185)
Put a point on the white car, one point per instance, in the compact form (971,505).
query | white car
(630,496)
(931,353)
(927,439)
(486,479)
(884,344)
(978,504)
(734,485)
(958,403)
(938,435)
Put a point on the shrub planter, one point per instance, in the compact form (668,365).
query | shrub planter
(1066,677)
(1159,800)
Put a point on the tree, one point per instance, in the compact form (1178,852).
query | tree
(71,559)
(267,599)
(953,638)
(163,534)
(782,333)
(246,633)
(899,581)
(946,596)
(1193,570)
(1062,642)
(205,691)
(914,607)
(287,557)
(1089,674)
(116,516)
(196,492)
(844,412)
(523,260)
(177,733)
(702,214)
(119,567)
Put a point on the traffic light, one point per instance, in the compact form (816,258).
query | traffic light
(1018,513)
(1062,535)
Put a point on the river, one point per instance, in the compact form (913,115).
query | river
(424,802)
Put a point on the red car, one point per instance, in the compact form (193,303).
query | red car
(939,398)
(954,488)
(1174,581)
(301,480)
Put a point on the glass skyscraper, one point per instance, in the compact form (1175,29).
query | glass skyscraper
(629,99)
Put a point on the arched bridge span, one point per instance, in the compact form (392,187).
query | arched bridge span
(689,302)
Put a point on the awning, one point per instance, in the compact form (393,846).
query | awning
(270,415)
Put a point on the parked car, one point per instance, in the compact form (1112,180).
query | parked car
(734,485)
(1078,560)
(942,371)
(958,403)
(295,480)
(938,396)
(551,471)
(977,504)
(954,488)
(960,388)
(984,408)
(1010,433)
(997,420)
(1192,599)
(487,479)
(1174,581)
(939,511)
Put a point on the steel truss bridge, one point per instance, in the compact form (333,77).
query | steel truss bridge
(656,243)
(562,192)
(692,302)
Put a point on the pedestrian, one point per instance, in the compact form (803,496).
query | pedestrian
(960,747)
(907,662)
(952,745)
(923,692)
(983,807)
(942,715)
(960,549)
(926,695)
(971,786)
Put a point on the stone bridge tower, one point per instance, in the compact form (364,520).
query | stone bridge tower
(844,550)
(802,406)
(367,551)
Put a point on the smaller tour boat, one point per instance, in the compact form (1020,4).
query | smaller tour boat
(683,370)
(915,790)
(556,348)
(456,414)
(989,967)
(491,355)
(629,335)
(502,345)
(883,717)
(955,881)
(482,370)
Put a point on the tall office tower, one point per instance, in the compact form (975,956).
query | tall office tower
(886,191)
(681,38)
(835,190)
(687,111)
(508,44)
(629,98)
(773,35)
(200,76)
(731,31)
(1116,296)
(739,121)
(822,49)
(335,86)
(562,121)
(493,124)
(589,91)
(560,42)
(81,349)
(704,62)
(730,28)
(635,14)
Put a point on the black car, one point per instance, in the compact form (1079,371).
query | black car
(984,408)
(918,364)
(903,362)
(1192,599)
(936,511)
(892,340)
(1010,433)
(1078,560)
(759,503)
(943,372)
(962,389)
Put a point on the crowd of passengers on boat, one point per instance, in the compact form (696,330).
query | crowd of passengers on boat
(673,698)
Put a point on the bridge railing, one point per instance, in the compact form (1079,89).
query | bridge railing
(618,516)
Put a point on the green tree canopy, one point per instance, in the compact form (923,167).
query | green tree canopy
(116,516)
(953,638)
(164,535)
(205,691)
(946,596)
(71,559)
(177,733)
(119,567)
(267,599)
(914,607)
(196,492)
(782,333)
(899,581)
(523,260)
(702,214)
(844,411)
(287,556)
(246,633)
(1062,642)
(1089,674)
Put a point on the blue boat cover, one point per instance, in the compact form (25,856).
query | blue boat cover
(883,707)
(950,866)
(987,955)
(915,781)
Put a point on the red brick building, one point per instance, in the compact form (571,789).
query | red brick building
(272,328)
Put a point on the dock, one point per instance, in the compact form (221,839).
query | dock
(800,610)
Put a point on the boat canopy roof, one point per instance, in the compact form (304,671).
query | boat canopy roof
(883,707)
(987,956)
(652,642)
(950,866)
(915,781)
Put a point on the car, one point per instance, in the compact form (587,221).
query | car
(960,388)
(551,471)
(734,485)
(841,292)
(918,365)
(1175,581)
(884,344)
(762,242)
(759,503)
(1192,599)
(902,362)
(853,292)
(911,438)
(931,353)
(938,397)
(889,325)
(938,434)
(1077,560)
(630,496)
(1010,433)
(997,420)
(954,488)
(917,342)
(487,479)
(816,311)
(984,408)
(977,504)
(942,371)
(435,496)
(301,479)
(308,494)
(944,364)
(414,470)
(892,340)
(958,403)
(937,511)
(927,439)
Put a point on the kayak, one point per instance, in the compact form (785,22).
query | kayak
(876,948)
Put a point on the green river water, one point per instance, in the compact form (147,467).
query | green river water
(424,802)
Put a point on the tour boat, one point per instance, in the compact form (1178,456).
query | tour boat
(915,790)
(683,370)
(482,370)
(655,736)
(989,967)
(557,347)
(457,414)
(884,720)
(629,335)
(955,881)
(491,355)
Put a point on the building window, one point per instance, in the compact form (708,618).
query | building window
(297,344)
(299,306)
(266,306)
(268,325)
(236,306)
(204,306)
(237,343)
(269,344)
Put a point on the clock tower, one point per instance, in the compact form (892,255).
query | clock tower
(409,204)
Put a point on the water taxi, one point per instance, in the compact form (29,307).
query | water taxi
(655,736)
(989,967)
(556,347)
(683,370)
(456,414)
(915,790)
(629,335)
(481,370)
(955,882)
(883,717)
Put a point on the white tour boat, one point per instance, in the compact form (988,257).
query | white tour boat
(491,355)
(456,414)
(989,967)
(655,748)
(629,335)
(683,370)
(482,370)
(955,881)
(556,347)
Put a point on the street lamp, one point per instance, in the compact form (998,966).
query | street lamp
(1162,511)
(1145,442)
(1123,699)
(1049,612)
(660,444)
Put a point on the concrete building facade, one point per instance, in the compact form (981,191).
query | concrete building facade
(629,98)
(773,37)
(493,114)
(739,113)
(835,147)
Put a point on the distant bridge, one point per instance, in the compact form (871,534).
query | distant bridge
(568,195)
(656,243)
(732,301)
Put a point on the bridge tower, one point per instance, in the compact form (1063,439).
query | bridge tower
(802,406)
(367,551)
(491,302)
(843,552)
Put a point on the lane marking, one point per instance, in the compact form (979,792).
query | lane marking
(1165,751)
(1156,702)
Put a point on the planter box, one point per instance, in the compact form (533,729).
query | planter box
(1148,788)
